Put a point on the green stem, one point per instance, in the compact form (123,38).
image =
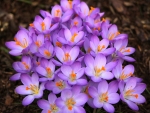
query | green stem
(94,111)
(148,91)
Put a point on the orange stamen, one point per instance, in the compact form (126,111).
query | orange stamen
(91,10)
(43,26)
(75,23)
(58,44)
(25,65)
(104,97)
(24,44)
(47,53)
(73,37)
(67,57)
(89,50)
(49,111)
(57,13)
(27,88)
(70,3)
(38,43)
(99,48)
(99,70)
(31,25)
(72,76)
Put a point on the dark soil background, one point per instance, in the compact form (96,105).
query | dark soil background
(131,17)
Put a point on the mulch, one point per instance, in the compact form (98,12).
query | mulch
(131,17)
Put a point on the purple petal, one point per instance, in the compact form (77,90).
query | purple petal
(89,71)
(129,69)
(100,60)
(51,98)
(139,99)
(66,94)
(102,87)
(131,50)
(43,104)
(15,77)
(47,22)
(49,85)
(67,34)
(15,52)
(97,103)
(80,73)
(74,52)
(89,61)
(110,65)
(140,87)
(28,100)
(76,66)
(81,99)
(113,86)
(129,59)
(67,15)
(59,53)
(62,76)
(79,109)
(117,70)
(66,70)
(26,79)
(41,70)
(35,79)
(113,98)
(60,103)
(81,81)
(107,75)
(22,90)
(132,105)
(130,84)
(93,92)
(108,107)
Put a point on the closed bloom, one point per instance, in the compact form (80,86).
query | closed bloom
(131,92)
(72,101)
(50,105)
(57,86)
(105,95)
(46,69)
(97,68)
(73,74)
(21,43)
(30,87)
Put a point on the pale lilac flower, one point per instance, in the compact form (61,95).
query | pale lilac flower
(121,73)
(105,95)
(57,86)
(123,51)
(77,21)
(72,101)
(21,43)
(24,66)
(73,74)
(46,69)
(98,46)
(47,50)
(50,105)
(67,55)
(131,93)
(30,87)
(97,68)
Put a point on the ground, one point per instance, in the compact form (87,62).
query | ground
(131,17)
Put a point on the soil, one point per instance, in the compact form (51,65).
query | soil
(131,17)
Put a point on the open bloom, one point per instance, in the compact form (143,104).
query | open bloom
(123,73)
(67,55)
(73,74)
(50,105)
(97,68)
(21,43)
(72,101)
(30,87)
(46,69)
(131,92)
(105,95)
(57,86)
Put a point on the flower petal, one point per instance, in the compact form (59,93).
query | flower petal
(113,98)
(108,107)
(43,104)
(28,100)
(102,87)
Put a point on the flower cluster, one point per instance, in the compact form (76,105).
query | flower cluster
(76,54)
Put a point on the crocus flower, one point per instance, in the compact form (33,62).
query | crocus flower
(46,69)
(123,73)
(57,86)
(131,93)
(105,95)
(46,50)
(30,87)
(77,21)
(21,43)
(50,105)
(38,41)
(98,46)
(73,74)
(72,101)
(123,51)
(67,55)
(97,68)
(24,66)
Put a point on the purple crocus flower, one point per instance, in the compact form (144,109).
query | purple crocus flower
(24,66)
(46,69)
(105,95)
(46,50)
(71,101)
(67,55)
(123,51)
(30,87)
(123,73)
(73,74)
(100,46)
(38,41)
(50,105)
(97,68)
(131,92)
(57,86)
(77,21)
(21,43)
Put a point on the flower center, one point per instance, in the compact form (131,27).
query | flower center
(25,65)
(70,3)
(87,92)
(75,23)
(73,37)
(38,43)
(58,44)
(91,10)
(70,103)
(111,36)
(43,26)
(129,93)
(60,84)
(72,76)
(47,53)
(98,71)
(99,48)
(103,97)
(67,57)
(49,72)
(24,44)
(54,108)
(57,13)
(124,76)
(33,88)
